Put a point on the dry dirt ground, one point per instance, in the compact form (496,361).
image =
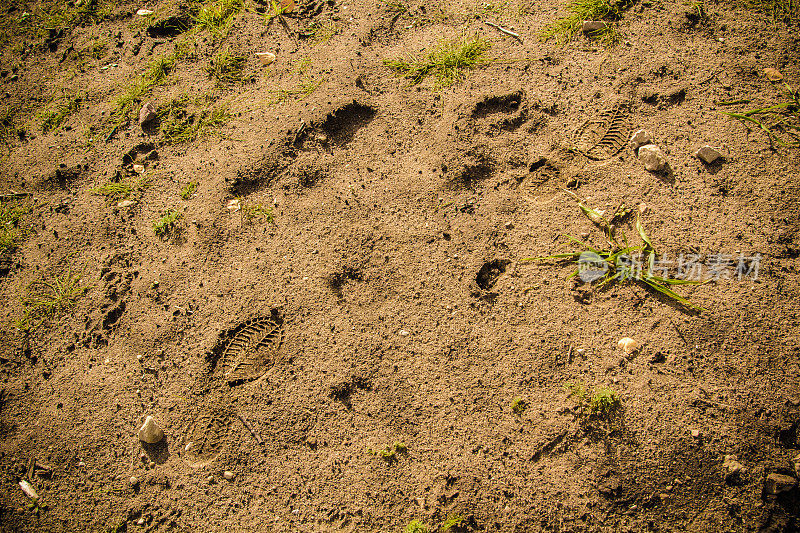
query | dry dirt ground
(387,293)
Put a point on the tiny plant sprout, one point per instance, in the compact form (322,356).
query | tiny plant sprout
(628,345)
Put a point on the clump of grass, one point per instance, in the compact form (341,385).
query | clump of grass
(227,68)
(156,74)
(616,262)
(600,402)
(189,190)
(305,87)
(781,10)
(277,9)
(415,526)
(50,299)
(216,17)
(451,522)
(566,28)
(11,229)
(185,120)
(389,453)
(395,7)
(781,122)
(320,32)
(54,118)
(115,191)
(447,63)
(164,225)
(518,405)
(252,211)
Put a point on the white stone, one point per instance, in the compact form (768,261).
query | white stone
(28,490)
(144,12)
(150,432)
(139,169)
(266,58)
(593,26)
(696,433)
(653,158)
(233,205)
(228,475)
(640,138)
(134,481)
(404,333)
(708,154)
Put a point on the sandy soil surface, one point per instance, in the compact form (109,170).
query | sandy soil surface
(339,330)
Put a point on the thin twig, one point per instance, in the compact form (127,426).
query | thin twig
(502,29)
(251,430)
(12,195)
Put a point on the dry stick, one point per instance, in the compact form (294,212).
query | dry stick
(250,429)
(502,29)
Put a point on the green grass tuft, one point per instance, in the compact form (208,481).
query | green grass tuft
(115,191)
(185,119)
(50,299)
(227,68)
(518,405)
(216,17)
(11,228)
(157,73)
(54,118)
(601,402)
(613,259)
(415,526)
(164,225)
(781,121)
(781,10)
(252,211)
(320,32)
(447,63)
(567,28)
(189,190)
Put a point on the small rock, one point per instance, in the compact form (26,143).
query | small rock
(733,469)
(139,169)
(628,345)
(640,138)
(228,475)
(233,205)
(146,114)
(708,154)
(772,74)
(696,433)
(134,481)
(404,333)
(140,522)
(509,225)
(28,490)
(144,12)
(653,158)
(150,432)
(210,479)
(593,26)
(779,483)
(266,58)
(581,351)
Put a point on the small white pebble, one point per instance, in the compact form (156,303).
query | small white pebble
(580,351)
(81,464)
(140,522)
(210,479)
(696,433)
(404,333)
(295,512)
(228,475)
(188,446)
(134,481)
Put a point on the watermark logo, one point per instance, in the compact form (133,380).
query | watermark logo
(591,267)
